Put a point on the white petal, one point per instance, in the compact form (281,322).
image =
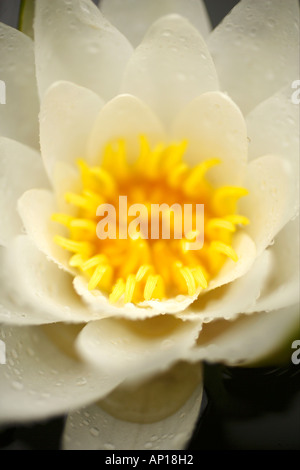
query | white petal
(136,349)
(215,128)
(236,297)
(134,17)
(39,381)
(75,42)
(66,178)
(170,67)
(249,338)
(67,115)
(282,289)
(12,310)
(256,49)
(273,127)
(124,117)
(18,115)
(21,169)
(269,204)
(35,208)
(93,428)
(35,291)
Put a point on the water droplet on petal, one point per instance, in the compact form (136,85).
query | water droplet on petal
(109,446)
(17,385)
(94,431)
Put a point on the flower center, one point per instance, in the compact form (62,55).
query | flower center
(151,229)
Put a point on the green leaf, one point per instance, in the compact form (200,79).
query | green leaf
(26,17)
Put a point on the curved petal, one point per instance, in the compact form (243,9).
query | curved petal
(215,128)
(256,49)
(249,338)
(269,204)
(35,291)
(39,381)
(136,349)
(75,42)
(18,115)
(282,290)
(124,117)
(273,127)
(170,67)
(236,297)
(21,169)
(67,115)
(93,428)
(35,208)
(134,17)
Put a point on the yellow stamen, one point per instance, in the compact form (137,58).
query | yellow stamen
(84,224)
(225,198)
(117,291)
(143,271)
(83,248)
(107,183)
(221,223)
(62,219)
(94,261)
(193,181)
(129,288)
(153,288)
(76,261)
(189,280)
(199,276)
(98,276)
(140,268)
(225,249)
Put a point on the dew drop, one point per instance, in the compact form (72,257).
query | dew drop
(109,446)
(30,352)
(93,48)
(166,344)
(17,385)
(81,381)
(14,354)
(167,33)
(271,22)
(94,431)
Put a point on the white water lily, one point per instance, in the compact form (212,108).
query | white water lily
(73,337)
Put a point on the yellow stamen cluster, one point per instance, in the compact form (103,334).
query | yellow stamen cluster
(138,268)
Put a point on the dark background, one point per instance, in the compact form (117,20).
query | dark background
(248,409)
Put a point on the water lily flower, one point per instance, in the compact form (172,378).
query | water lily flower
(140,99)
